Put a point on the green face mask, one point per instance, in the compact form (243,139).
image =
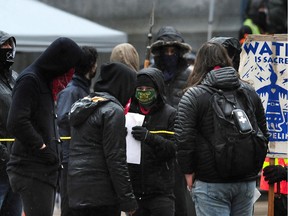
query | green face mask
(146,96)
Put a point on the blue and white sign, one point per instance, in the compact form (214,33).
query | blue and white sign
(264,63)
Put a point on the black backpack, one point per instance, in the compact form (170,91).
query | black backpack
(239,146)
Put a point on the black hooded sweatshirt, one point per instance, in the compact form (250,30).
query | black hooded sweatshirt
(97,167)
(32,117)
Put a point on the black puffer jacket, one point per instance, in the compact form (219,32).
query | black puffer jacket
(97,168)
(194,117)
(32,119)
(155,174)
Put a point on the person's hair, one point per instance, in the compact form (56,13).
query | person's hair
(209,56)
(126,54)
(90,56)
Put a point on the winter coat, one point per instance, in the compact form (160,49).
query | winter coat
(168,36)
(76,89)
(195,119)
(97,167)
(32,119)
(7,82)
(154,175)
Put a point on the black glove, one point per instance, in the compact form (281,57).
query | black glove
(140,133)
(274,173)
(47,155)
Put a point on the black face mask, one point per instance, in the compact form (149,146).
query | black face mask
(262,20)
(6,57)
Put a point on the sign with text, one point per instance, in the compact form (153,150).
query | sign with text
(264,63)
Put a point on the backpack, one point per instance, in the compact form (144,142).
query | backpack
(239,146)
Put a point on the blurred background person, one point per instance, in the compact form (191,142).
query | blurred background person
(126,54)
(256,21)
(10,202)
(277,13)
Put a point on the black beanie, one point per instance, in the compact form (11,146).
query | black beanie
(144,80)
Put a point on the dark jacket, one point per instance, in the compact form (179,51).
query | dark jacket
(32,119)
(7,82)
(155,173)
(169,36)
(97,167)
(77,88)
(195,119)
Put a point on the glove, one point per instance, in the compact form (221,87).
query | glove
(274,173)
(47,155)
(140,133)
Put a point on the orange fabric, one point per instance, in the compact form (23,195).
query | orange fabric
(283,184)
(242,40)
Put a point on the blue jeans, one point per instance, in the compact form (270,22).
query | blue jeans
(223,199)
(10,202)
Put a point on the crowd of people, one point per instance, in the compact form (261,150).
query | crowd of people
(72,137)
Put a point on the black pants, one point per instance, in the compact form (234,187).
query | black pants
(184,206)
(65,209)
(156,206)
(98,211)
(38,198)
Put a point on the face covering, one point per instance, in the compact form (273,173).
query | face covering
(146,97)
(170,66)
(261,20)
(6,57)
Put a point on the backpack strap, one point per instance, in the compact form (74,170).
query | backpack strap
(213,90)
(210,89)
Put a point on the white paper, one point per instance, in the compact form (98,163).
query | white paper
(257,194)
(133,146)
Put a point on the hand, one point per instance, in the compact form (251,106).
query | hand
(140,133)
(46,154)
(189,181)
(130,213)
(274,173)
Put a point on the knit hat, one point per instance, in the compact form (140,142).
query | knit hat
(145,80)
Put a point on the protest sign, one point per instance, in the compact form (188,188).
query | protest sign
(264,63)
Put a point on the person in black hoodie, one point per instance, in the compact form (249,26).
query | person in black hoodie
(34,161)
(153,179)
(10,203)
(168,52)
(76,89)
(98,181)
